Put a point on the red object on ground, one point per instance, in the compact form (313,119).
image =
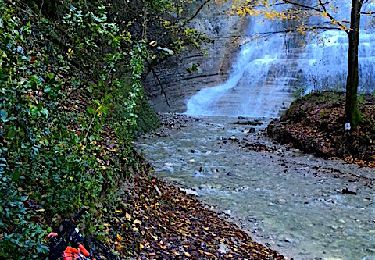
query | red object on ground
(51,235)
(83,250)
(71,253)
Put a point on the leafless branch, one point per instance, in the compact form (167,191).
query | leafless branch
(196,13)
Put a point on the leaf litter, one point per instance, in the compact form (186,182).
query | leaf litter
(163,222)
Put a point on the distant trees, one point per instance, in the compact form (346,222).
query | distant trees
(327,9)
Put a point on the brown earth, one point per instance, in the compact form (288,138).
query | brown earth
(315,124)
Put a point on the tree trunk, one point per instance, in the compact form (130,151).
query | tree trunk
(352,114)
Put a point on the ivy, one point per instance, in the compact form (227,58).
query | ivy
(72,101)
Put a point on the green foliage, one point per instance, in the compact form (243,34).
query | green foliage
(74,100)
(53,149)
(299,92)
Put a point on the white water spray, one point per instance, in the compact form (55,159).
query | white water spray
(269,69)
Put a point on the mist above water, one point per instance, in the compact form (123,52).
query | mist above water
(272,67)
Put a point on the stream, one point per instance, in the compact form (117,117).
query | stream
(302,206)
(293,202)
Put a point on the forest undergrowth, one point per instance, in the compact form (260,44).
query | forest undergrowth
(72,102)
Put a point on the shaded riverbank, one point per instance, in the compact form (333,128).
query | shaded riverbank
(315,124)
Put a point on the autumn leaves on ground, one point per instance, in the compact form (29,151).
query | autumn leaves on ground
(315,124)
(166,223)
(163,222)
(73,102)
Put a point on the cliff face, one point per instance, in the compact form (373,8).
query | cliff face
(213,60)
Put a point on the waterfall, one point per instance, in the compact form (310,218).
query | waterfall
(270,67)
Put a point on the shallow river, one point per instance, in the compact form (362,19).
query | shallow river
(290,201)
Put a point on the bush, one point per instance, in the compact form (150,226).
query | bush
(71,103)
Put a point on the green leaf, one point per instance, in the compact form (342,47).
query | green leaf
(50,76)
(44,112)
(4,116)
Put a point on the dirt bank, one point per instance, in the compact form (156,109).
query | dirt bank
(315,124)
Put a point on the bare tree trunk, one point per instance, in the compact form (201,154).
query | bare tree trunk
(352,114)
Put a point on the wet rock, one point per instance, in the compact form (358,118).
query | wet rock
(334,227)
(248,122)
(285,239)
(233,139)
(190,191)
(347,191)
(223,249)
(250,130)
(281,201)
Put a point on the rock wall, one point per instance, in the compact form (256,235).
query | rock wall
(214,60)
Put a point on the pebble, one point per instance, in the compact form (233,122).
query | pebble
(223,249)
(334,227)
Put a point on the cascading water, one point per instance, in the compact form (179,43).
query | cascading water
(254,80)
(269,69)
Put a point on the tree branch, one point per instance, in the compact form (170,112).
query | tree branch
(330,16)
(196,13)
(368,13)
(302,5)
(162,89)
(312,28)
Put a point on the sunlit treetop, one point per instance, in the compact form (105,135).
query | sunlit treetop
(298,9)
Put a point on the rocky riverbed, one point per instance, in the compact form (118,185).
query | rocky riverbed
(302,206)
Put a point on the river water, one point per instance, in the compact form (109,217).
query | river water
(293,202)
(285,199)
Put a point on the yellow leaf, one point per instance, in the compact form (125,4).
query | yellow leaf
(187,254)
(137,221)
(127,216)
(119,237)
